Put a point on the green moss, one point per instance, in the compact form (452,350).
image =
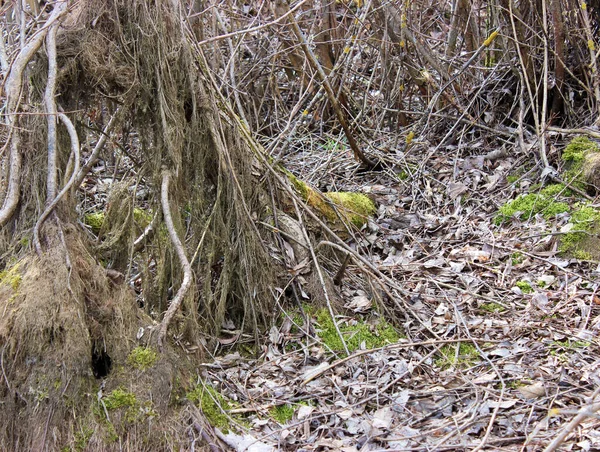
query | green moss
(142,217)
(574,156)
(282,413)
(577,149)
(583,243)
(11,277)
(511,179)
(331,145)
(525,286)
(213,405)
(119,398)
(142,358)
(517,258)
(569,344)
(492,307)
(82,437)
(467,356)
(531,204)
(356,207)
(402,175)
(353,207)
(94,220)
(354,335)
(301,187)
(554,190)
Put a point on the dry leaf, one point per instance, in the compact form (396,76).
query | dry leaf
(533,391)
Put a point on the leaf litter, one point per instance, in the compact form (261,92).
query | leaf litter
(498,346)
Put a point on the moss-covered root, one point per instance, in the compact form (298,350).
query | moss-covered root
(336,207)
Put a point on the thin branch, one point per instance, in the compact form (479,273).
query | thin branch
(251,29)
(99,146)
(314,62)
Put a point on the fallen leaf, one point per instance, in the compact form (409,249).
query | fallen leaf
(533,391)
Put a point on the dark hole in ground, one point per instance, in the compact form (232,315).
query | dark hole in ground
(101,361)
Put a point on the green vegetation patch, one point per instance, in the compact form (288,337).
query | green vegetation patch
(576,156)
(11,277)
(82,438)
(94,220)
(584,242)
(373,336)
(282,413)
(577,149)
(525,286)
(526,206)
(213,405)
(517,258)
(119,398)
(356,207)
(352,207)
(492,307)
(142,358)
(448,357)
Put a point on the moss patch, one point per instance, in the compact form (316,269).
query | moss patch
(282,413)
(142,217)
(584,242)
(94,220)
(525,286)
(355,333)
(355,207)
(578,155)
(526,206)
(466,357)
(119,398)
(11,277)
(352,207)
(517,258)
(213,405)
(492,307)
(142,358)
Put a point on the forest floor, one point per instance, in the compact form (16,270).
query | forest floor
(495,343)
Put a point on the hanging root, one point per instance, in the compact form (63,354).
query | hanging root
(185,264)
